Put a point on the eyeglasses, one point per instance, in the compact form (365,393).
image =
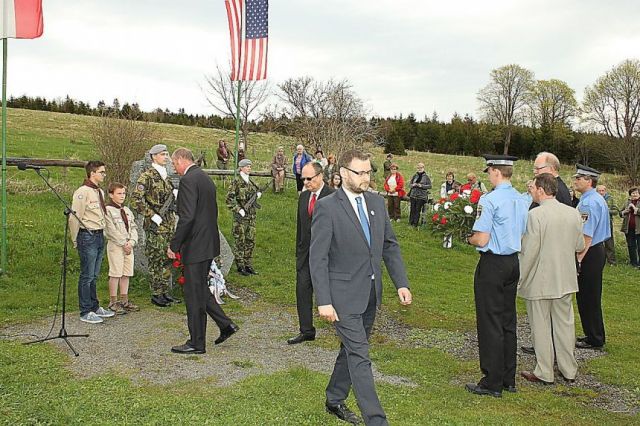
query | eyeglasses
(544,166)
(309,179)
(102,172)
(362,173)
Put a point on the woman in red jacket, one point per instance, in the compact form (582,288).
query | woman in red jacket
(394,185)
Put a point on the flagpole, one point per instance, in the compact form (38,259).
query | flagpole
(3,269)
(235,167)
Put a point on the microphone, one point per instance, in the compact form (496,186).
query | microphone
(25,166)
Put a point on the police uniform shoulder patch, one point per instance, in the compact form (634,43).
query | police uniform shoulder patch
(479,211)
(585,217)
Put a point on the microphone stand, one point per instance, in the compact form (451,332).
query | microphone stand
(62,334)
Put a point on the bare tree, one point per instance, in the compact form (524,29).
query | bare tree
(325,115)
(120,141)
(222,94)
(505,96)
(612,104)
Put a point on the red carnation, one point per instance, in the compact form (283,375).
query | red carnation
(435,217)
(181,280)
(177,264)
(454,196)
(475,196)
(178,256)
(443,221)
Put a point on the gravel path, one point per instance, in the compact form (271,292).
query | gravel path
(138,346)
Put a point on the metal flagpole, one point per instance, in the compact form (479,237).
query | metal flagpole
(235,167)
(3,269)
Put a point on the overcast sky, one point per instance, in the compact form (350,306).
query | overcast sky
(401,56)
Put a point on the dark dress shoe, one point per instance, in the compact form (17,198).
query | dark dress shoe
(343,413)
(186,349)
(511,388)
(528,350)
(582,339)
(250,270)
(481,390)
(586,345)
(171,299)
(243,271)
(533,378)
(226,333)
(159,300)
(567,380)
(301,338)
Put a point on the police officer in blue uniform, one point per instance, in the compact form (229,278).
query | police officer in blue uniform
(591,261)
(497,233)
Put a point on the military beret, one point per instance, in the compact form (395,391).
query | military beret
(586,171)
(499,160)
(157,149)
(244,163)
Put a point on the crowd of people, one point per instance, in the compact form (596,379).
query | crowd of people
(539,245)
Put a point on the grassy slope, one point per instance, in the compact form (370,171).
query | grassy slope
(441,281)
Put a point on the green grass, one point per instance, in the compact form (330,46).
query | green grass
(35,386)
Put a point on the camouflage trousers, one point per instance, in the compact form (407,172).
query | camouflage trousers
(244,234)
(159,264)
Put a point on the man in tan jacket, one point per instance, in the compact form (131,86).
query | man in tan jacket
(548,280)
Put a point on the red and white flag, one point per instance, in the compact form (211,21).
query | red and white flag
(249,31)
(21,18)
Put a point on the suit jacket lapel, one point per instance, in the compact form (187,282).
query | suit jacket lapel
(346,205)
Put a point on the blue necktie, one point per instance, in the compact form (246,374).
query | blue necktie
(363,220)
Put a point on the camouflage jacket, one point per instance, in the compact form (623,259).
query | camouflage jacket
(149,196)
(239,194)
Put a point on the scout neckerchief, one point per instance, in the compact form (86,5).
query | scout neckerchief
(92,185)
(123,214)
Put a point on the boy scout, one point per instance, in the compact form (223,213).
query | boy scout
(153,198)
(88,204)
(241,191)
(497,233)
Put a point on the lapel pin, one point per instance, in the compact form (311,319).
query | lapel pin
(373,213)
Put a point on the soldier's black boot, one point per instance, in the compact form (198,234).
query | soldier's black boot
(159,300)
(170,298)
(243,271)
(250,270)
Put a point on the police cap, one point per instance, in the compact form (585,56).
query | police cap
(499,160)
(586,171)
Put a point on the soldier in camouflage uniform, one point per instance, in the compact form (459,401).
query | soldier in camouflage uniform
(240,193)
(151,192)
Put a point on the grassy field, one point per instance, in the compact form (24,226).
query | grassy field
(36,387)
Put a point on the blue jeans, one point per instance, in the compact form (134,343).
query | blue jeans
(90,249)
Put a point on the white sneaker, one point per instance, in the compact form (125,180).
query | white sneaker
(91,318)
(104,313)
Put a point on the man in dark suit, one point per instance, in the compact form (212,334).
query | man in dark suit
(197,239)
(312,178)
(350,236)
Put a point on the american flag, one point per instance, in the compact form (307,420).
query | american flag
(249,30)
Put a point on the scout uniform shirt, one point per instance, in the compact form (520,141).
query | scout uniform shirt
(86,204)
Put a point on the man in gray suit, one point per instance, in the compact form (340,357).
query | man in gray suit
(548,280)
(350,236)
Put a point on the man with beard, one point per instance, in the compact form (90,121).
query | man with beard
(350,236)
